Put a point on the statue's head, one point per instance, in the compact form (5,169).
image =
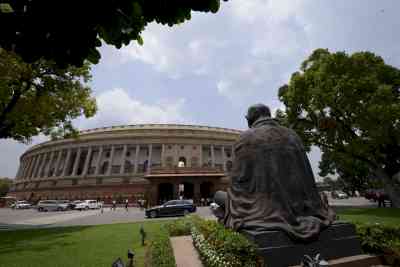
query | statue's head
(255,112)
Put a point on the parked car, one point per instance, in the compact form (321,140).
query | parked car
(21,204)
(339,194)
(72,204)
(52,205)
(171,208)
(88,204)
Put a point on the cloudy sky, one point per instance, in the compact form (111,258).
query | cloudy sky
(210,69)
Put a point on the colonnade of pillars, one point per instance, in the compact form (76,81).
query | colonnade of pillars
(79,161)
(164,191)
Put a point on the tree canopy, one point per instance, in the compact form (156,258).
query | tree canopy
(5,185)
(70,31)
(349,106)
(40,97)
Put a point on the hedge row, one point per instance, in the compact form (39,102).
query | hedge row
(180,227)
(219,246)
(379,239)
(161,253)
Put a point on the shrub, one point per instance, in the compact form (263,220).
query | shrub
(219,246)
(161,253)
(376,238)
(380,239)
(180,227)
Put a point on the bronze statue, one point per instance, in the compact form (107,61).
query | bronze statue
(272,183)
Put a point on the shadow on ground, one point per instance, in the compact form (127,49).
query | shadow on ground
(378,212)
(36,240)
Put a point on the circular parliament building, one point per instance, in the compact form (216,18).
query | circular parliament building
(156,162)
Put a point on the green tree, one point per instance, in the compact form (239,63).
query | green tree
(41,97)
(5,185)
(353,174)
(70,31)
(349,106)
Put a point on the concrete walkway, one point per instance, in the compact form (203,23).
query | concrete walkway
(185,253)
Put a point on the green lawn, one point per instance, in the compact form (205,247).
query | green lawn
(385,216)
(84,246)
(94,246)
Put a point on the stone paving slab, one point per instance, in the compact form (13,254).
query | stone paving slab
(60,217)
(185,253)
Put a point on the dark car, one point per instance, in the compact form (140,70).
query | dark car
(171,208)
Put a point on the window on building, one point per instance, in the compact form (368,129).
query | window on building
(182,147)
(104,168)
(182,162)
(169,161)
(195,162)
(229,165)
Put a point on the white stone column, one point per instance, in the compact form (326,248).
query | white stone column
(18,174)
(149,158)
(201,156)
(212,156)
(43,164)
(98,160)
(32,166)
(65,167)
(223,158)
(233,153)
(24,166)
(111,160)
(57,166)
(48,166)
(35,166)
(76,163)
(87,162)
(28,167)
(136,158)
(29,171)
(123,159)
(162,155)
(38,165)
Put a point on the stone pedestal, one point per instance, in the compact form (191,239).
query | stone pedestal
(278,250)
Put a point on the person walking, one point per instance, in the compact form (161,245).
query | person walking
(126,204)
(114,205)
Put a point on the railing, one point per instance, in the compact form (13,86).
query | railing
(183,170)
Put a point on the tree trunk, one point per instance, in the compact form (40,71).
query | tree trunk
(391,188)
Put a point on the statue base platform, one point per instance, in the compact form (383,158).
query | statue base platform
(278,250)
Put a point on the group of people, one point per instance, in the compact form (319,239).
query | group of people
(114,205)
(141,203)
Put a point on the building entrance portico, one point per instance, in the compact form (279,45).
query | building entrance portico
(187,187)
(165,192)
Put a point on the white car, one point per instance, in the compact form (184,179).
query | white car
(22,204)
(88,204)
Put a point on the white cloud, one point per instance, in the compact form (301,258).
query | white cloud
(117,107)
(272,11)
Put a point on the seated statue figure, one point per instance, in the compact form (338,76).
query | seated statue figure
(272,183)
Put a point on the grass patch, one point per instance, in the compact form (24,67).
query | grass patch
(383,216)
(83,246)
(95,246)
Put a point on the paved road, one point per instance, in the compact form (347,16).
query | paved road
(19,219)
